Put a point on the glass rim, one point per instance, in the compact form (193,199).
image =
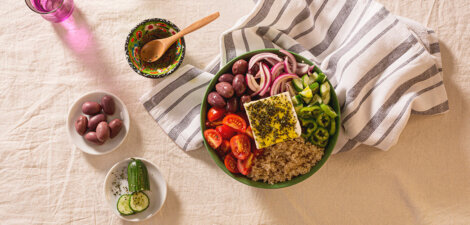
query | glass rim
(29,4)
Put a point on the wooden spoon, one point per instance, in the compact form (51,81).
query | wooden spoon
(153,50)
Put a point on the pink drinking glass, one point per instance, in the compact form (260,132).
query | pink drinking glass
(55,11)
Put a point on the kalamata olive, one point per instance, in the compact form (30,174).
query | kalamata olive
(215,100)
(238,84)
(91,108)
(81,124)
(240,67)
(107,103)
(232,105)
(95,120)
(102,131)
(115,126)
(226,78)
(224,89)
(244,99)
(92,137)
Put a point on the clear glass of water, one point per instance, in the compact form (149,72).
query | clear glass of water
(55,11)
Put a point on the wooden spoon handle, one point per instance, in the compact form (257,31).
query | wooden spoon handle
(196,25)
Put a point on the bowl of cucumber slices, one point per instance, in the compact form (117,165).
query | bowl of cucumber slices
(135,189)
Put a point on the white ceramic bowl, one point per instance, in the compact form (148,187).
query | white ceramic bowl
(157,193)
(111,144)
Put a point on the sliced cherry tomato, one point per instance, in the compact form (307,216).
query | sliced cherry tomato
(241,146)
(249,132)
(224,148)
(243,115)
(226,131)
(213,138)
(244,166)
(231,163)
(213,124)
(236,122)
(215,113)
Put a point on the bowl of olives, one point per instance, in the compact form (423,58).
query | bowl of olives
(98,122)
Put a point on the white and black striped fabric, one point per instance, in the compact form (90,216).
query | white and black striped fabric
(383,67)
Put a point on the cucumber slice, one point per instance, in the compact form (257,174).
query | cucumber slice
(321,78)
(326,99)
(307,100)
(314,76)
(123,205)
(314,87)
(139,201)
(297,82)
(325,89)
(297,100)
(306,93)
(316,100)
(306,80)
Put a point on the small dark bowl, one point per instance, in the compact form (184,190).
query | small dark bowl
(241,178)
(132,48)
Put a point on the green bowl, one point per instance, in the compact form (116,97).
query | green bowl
(133,43)
(242,178)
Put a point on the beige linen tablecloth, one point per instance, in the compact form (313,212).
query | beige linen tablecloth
(424,179)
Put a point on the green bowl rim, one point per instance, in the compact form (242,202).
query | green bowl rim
(243,179)
(183,49)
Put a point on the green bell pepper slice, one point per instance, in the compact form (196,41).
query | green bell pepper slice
(328,110)
(323,120)
(305,122)
(332,127)
(321,134)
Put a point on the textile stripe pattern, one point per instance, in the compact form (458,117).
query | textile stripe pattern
(383,68)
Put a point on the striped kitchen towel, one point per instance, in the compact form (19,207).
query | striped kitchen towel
(383,67)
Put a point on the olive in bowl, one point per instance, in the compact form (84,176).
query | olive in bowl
(85,131)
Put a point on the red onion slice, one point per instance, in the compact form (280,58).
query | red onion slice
(277,69)
(276,84)
(267,77)
(302,68)
(271,61)
(286,65)
(290,89)
(258,57)
(251,82)
(292,60)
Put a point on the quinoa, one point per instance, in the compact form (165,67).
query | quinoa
(285,160)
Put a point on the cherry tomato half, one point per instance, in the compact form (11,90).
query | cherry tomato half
(244,166)
(231,163)
(213,138)
(234,121)
(223,149)
(241,146)
(215,113)
(226,131)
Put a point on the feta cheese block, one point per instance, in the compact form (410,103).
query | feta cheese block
(273,120)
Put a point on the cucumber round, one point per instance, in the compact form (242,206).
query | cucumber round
(123,205)
(139,201)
